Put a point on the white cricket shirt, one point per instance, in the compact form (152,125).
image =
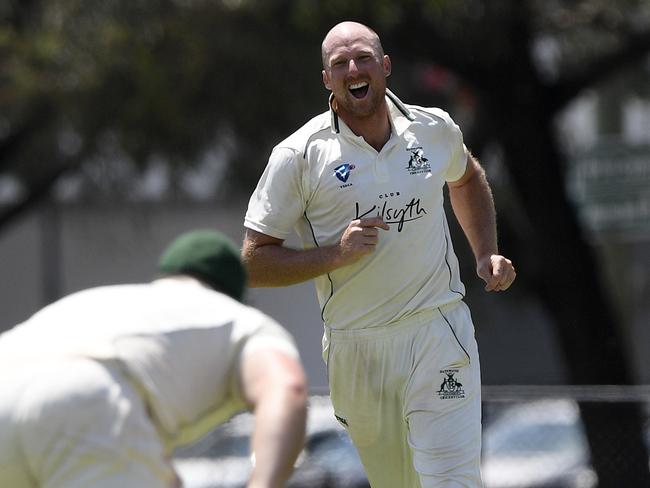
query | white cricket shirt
(180,341)
(324,176)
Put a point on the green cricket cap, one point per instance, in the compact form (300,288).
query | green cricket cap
(209,256)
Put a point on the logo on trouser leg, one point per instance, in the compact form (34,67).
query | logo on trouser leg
(450,388)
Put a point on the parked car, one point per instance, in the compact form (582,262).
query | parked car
(222,459)
(539,444)
(219,460)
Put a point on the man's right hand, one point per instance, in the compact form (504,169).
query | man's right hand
(360,238)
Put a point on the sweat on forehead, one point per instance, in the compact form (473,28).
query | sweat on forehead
(347,31)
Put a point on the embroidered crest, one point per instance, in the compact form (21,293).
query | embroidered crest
(450,388)
(417,162)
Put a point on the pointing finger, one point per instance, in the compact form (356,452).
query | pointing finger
(374,222)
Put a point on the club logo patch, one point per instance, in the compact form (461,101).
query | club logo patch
(342,171)
(417,162)
(450,388)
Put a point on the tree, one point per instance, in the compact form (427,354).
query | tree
(90,82)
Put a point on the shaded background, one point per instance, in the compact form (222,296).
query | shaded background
(123,123)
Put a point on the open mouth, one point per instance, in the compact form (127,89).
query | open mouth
(359,90)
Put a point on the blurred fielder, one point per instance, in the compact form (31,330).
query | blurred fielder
(362,185)
(99,387)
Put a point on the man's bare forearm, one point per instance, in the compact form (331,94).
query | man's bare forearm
(275,384)
(277,265)
(278,437)
(471,199)
(473,206)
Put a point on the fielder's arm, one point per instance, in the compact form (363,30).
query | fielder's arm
(270,263)
(275,385)
(473,205)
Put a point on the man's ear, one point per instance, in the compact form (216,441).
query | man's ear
(326,80)
(387,65)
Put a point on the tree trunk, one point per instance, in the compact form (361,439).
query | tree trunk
(570,286)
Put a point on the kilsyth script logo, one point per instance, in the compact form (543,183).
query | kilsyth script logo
(417,162)
(393,214)
(450,387)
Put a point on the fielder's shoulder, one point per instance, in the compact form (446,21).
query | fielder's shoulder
(252,321)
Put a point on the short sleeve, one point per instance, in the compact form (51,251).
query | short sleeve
(278,200)
(458,150)
(259,332)
(271,335)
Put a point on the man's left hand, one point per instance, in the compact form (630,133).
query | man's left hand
(497,272)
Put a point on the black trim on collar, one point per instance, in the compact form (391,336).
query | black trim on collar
(401,107)
(335,117)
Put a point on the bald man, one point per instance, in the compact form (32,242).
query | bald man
(362,186)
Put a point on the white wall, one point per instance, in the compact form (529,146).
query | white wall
(113,244)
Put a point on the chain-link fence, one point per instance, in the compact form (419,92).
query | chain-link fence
(533,437)
(566,436)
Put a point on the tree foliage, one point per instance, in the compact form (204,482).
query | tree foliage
(94,82)
(91,81)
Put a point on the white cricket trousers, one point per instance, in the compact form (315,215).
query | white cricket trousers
(409,395)
(75,423)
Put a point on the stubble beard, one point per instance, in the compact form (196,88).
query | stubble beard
(362,109)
